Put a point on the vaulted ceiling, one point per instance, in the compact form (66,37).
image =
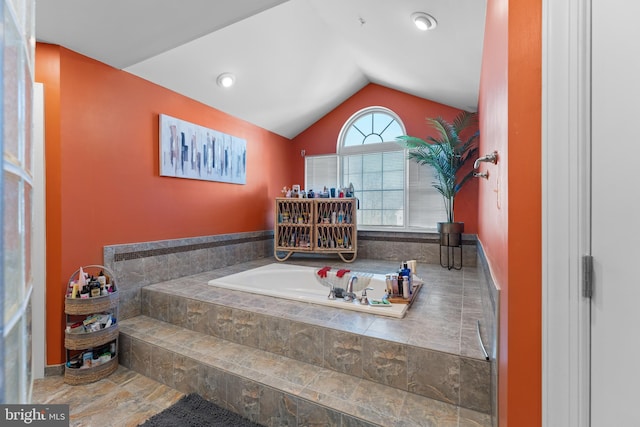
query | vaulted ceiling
(294,60)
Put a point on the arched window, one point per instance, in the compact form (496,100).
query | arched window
(393,193)
(372,125)
(375,164)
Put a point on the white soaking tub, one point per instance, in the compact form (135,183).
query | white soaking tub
(298,283)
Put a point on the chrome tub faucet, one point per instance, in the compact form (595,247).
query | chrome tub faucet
(349,295)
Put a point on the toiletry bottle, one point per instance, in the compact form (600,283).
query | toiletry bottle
(394,284)
(406,271)
(84,292)
(400,285)
(102,279)
(75,291)
(405,287)
(388,287)
(94,287)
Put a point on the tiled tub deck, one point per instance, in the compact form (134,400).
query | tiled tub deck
(281,362)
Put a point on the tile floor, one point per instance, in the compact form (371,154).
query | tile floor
(123,399)
(127,399)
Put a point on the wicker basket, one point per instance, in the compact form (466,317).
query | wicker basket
(76,376)
(91,305)
(81,341)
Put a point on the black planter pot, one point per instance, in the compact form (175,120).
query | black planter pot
(450,233)
(450,239)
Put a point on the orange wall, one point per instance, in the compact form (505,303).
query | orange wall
(322,136)
(103,184)
(509,203)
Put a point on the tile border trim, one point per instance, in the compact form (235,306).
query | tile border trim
(124,256)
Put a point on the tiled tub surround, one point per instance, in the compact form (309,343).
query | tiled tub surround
(141,264)
(490,297)
(400,246)
(447,326)
(431,354)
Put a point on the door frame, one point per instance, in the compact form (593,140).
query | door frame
(566,123)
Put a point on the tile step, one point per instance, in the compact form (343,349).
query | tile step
(318,336)
(272,389)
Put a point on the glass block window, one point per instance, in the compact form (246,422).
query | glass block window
(16,182)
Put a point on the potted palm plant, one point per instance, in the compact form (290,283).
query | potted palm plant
(447,153)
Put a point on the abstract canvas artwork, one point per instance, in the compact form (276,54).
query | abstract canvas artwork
(191,151)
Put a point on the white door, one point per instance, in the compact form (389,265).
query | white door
(615,238)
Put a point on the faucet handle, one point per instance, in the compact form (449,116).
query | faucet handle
(364,291)
(363,298)
(491,158)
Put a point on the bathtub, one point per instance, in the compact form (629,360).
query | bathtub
(299,283)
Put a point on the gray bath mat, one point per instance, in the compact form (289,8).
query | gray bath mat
(195,411)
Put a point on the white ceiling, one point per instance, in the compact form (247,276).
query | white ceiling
(294,60)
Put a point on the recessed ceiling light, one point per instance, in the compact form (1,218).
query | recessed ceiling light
(424,21)
(226,80)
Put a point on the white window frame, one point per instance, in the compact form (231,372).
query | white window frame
(411,168)
(382,147)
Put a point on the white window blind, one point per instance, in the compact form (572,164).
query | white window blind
(378,179)
(426,207)
(320,172)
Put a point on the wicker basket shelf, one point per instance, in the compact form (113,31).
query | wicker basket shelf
(79,306)
(75,342)
(81,341)
(77,376)
(316,225)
